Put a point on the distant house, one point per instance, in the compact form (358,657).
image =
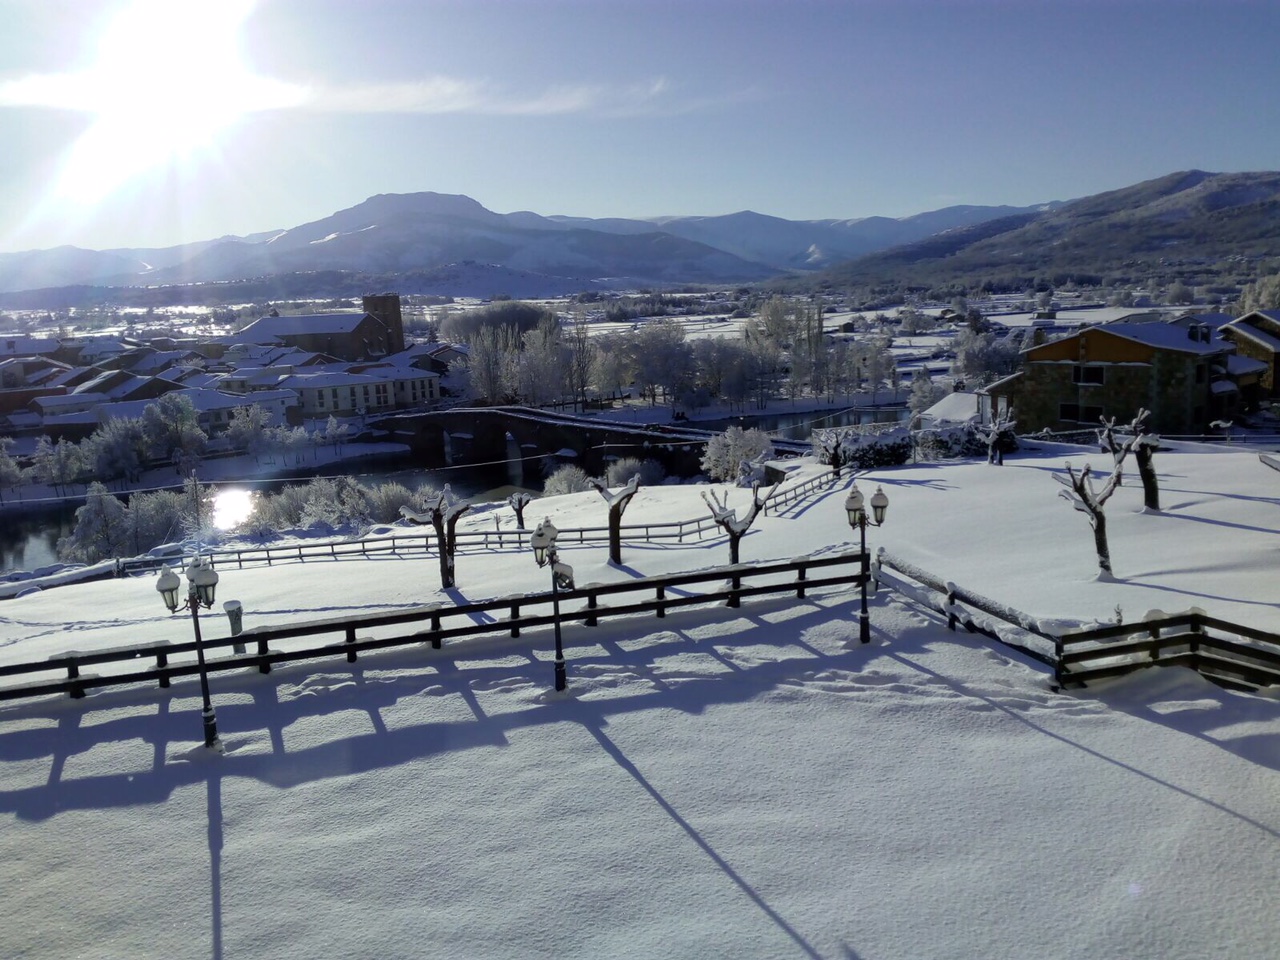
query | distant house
(375,333)
(1180,375)
(1257,336)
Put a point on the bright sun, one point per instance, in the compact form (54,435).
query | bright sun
(167,81)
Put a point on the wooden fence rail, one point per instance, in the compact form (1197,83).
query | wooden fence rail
(677,531)
(160,662)
(1227,653)
(468,541)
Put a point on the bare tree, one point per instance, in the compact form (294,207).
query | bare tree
(728,519)
(1144,446)
(617,506)
(1082,495)
(442,513)
(1119,449)
(994,432)
(834,447)
(517,502)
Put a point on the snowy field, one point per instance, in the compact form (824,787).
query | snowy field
(738,783)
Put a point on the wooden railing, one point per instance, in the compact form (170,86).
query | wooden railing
(1230,654)
(1227,653)
(160,662)
(468,541)
(512,538)
(783,497)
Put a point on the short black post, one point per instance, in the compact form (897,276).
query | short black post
(555,614)
(864,616)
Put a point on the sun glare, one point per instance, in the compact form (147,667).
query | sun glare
(167,81)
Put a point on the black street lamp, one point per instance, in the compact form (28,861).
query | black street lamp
(858,521)
(202,581)
(543,543)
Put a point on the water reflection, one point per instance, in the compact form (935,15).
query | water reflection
(232,506)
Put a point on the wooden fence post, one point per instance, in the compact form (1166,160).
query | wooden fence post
(162,661)
(800,582)
(263,667)
(660,610)
(592,620)
(351,639)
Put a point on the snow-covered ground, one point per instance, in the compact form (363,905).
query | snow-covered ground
(745,782)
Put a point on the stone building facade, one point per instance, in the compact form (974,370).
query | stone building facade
(1113,370)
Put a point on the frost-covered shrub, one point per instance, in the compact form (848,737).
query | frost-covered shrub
(726,451)
(336,503)
(280,511)
(156,518)
(886,450)
(385,500)
(568,478)
(620,472)
(863,451)
(956,441)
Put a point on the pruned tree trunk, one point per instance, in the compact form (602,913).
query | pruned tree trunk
(728,519)
(1089,501)
(443,512)
(517,502)
(617,507)
(1107,441)
(1144,454)
(1100,542)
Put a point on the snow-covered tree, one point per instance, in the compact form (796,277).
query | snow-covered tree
(245,431)
(118,449)
(617,502)
(335,433)
(832,447)
(517,502)
(101,530)
(728,519)
(726,451)
(172,428)
(996,434)
(1083,496)
(924,392)
(443,514)
(1144,446)
(10,472)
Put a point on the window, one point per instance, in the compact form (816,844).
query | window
(1075,413)
(1087,375)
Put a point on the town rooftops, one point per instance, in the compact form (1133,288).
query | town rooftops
(271,328)
(1164,336)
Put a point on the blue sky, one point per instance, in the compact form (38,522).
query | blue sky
(153,122)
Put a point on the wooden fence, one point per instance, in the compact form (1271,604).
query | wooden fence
(474,541)
(783,497)
(1230,654)
(160,662)
(468,541)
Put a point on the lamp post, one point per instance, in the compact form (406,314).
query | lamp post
(543,543)
(853,506)
(202,581)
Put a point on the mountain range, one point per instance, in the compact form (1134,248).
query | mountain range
(1214,230)
(411,238)
(1205,229)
